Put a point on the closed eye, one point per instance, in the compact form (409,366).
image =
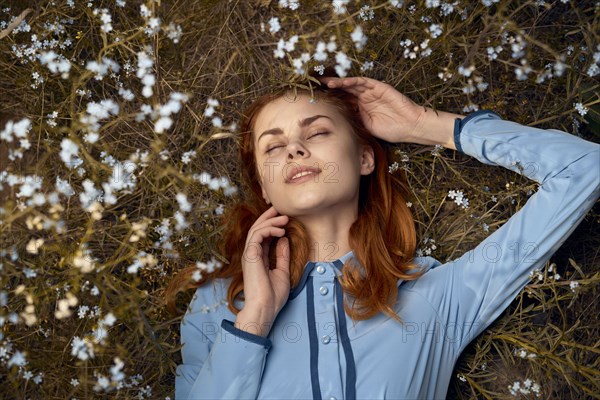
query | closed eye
(319,133)
(316,134)
(272,148)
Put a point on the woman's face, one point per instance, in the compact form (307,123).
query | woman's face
(293,133)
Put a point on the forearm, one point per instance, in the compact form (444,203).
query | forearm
(436,127)
(254,322)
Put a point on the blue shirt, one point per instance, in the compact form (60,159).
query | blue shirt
(314,350)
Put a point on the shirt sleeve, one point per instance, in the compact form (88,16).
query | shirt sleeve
(230,366)
(478,286)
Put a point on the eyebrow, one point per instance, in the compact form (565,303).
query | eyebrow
(302,124)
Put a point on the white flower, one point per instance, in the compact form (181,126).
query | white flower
(320,52)
(69,151)
(459,198)
(339,6)
(274,25)
(366,13)
(343,64)
(162,124)
(581,109)
(573,285)
(435,30)
(109,319)
(217,122)
(367,65)
(593,70)
(358,37)
(291,4)
(209,266)
(116,370)
(320,69)
(145,11)
(181,222)
(33,245)
(522,72)
(144,73)
(488,3)
(105,18)
(64,305)
(184,205)
(103,109)
(19,129)
(331,45)
(210,109)
(466,71)
(82,348)
(101,68)
(290,45)
(299,62)
(528,387)
(55,63)
(81,311)
(517,46)
(17,359)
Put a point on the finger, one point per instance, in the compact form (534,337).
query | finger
(283,254)
(355,81)
(270,212)
(256,241)
(355,90)
(273,221)
(269,218)
(265,253)
(259,235)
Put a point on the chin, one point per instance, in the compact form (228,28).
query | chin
(300,207)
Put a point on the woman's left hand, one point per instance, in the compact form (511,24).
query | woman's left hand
(385,112)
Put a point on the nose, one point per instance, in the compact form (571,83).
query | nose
(296,150)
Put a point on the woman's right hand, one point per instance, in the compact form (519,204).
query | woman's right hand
(266,288)
(392,116)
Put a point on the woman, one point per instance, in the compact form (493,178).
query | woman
(326,221)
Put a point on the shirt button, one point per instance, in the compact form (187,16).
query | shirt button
(325,339)
(332,398)
(321,269)
(323,290)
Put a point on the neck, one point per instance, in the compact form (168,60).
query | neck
(328,232)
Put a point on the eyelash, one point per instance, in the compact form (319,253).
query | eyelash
(316,134)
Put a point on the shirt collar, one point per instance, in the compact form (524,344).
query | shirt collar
(311,265)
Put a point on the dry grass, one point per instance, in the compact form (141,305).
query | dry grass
(223,54)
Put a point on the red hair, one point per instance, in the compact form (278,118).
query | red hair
(383,237)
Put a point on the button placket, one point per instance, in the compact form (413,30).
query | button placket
(326,328)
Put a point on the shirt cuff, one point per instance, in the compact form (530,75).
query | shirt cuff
(460,123)
(229,327)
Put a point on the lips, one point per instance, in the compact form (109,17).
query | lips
(299,170)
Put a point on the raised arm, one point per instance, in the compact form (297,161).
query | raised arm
(229,364)
(473,290)
(219,360)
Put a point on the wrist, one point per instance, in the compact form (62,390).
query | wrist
(436,128)
(254,322)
